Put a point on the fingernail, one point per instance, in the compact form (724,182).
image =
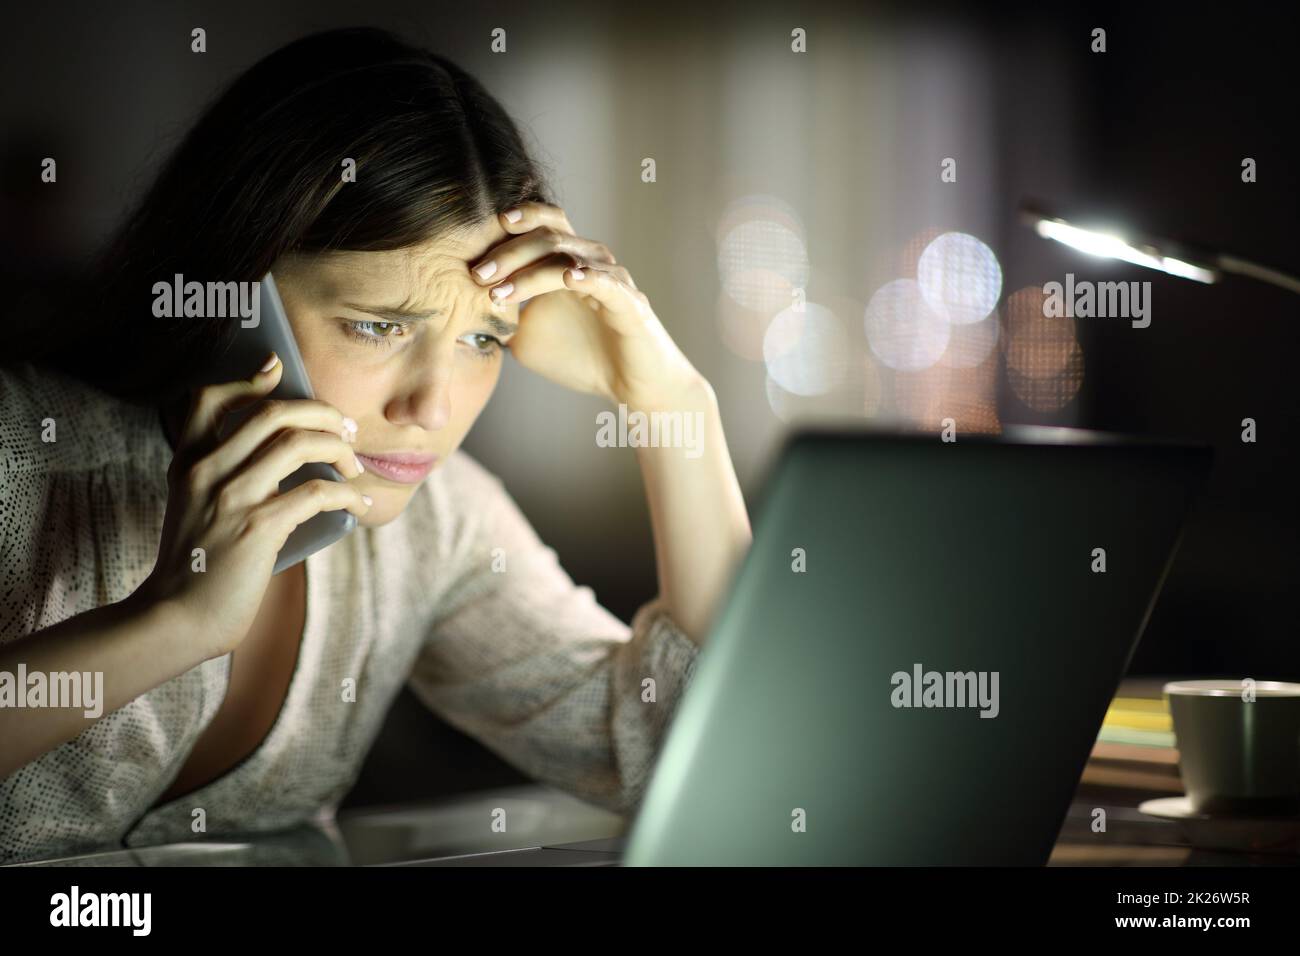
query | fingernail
(358,461)
(350,425)
(514,215)
(270,363)
(503,290)
(368,500)
(487,270)
(577,274)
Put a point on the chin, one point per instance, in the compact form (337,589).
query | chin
(386,507)
(376,521)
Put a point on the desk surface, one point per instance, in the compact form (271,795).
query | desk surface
(538,816)
(535,816)
(1133,838)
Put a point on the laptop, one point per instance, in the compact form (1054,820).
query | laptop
(916,655)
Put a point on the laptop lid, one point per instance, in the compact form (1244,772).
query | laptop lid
(917,653)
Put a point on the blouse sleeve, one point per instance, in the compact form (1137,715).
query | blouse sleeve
(531,666)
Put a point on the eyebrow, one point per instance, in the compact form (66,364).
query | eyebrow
(495,323)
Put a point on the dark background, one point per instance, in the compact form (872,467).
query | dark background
(1151,134)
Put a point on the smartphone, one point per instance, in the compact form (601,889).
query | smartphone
(256,336)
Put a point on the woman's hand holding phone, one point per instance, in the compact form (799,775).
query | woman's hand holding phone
(223,497)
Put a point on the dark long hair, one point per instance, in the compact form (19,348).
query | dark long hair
(260,174)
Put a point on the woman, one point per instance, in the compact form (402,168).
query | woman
(396,206)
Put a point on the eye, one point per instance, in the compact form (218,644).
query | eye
(378,334)
(483,345)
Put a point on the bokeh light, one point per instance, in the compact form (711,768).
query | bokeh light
(750,206)
(760,261)
(821,409)
(966,395)
(902,330)
(1049,393)
(742,329)
(969,345)
(1036,346)
(912,249)
(960,277)
(806,352)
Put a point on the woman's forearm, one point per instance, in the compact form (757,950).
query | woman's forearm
(134,648)
(701,528)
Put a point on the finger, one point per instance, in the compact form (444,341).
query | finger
(274,416)
(498,265)
(279,516)
(547,276)
(212,401)
(288,452)
(624,308)
(534,214)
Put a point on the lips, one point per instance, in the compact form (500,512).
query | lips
(403,467)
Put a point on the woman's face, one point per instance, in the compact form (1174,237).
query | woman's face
(403,342)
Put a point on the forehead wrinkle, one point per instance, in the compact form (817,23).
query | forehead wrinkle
(439,264)
(443,273)
(467,244)
(439,307)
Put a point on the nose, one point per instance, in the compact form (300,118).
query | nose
(425,397)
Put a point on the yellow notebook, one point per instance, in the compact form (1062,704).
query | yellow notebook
(1138,714)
